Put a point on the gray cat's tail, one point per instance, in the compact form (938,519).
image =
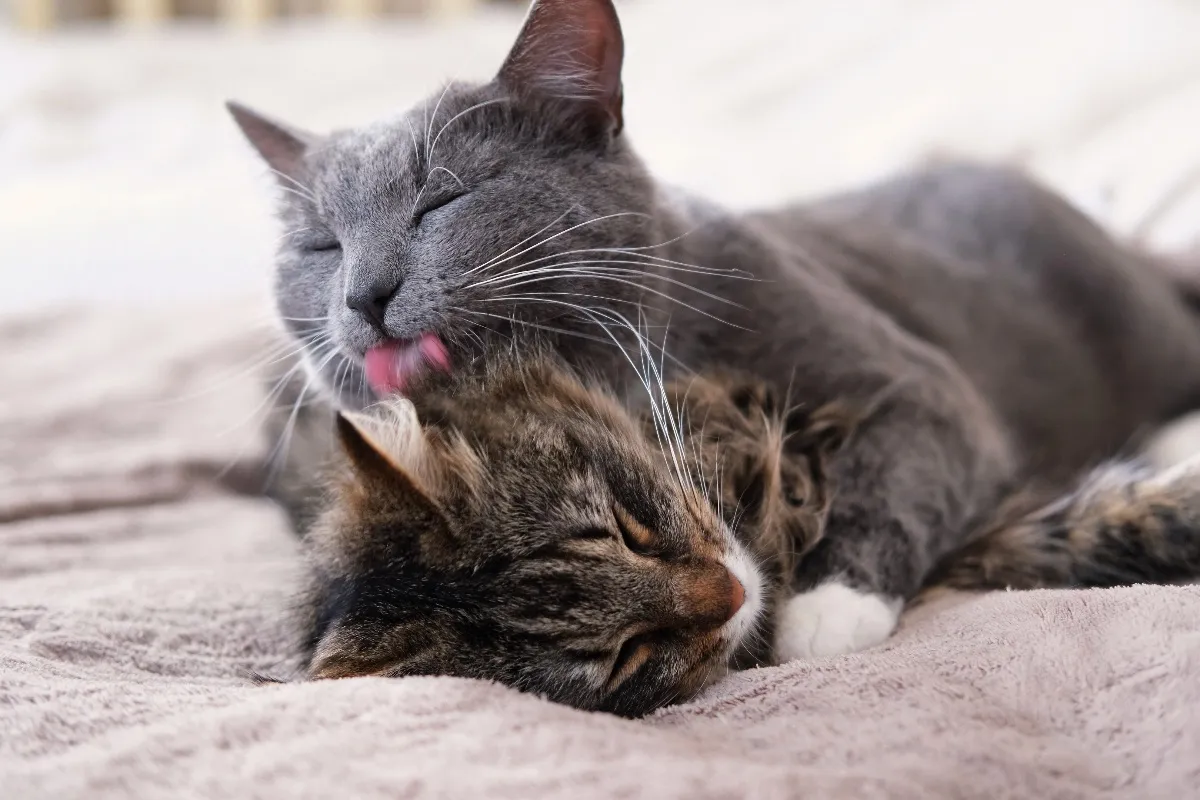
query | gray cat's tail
(1124,524)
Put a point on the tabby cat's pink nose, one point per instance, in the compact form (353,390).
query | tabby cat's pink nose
(737,595)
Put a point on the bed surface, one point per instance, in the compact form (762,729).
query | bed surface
(139,582)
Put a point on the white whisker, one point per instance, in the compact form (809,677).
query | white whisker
(433,147)
(551,238)
(449,172)
(432,120)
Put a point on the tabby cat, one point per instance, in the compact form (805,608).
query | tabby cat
(522,528)
(1015,341)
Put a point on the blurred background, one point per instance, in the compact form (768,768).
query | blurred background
(123,183)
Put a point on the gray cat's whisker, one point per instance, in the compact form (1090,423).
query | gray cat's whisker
(280,351)
(632,252)
(299,186)
(469,332)
(289,190)
(417,200)
(649,289)
(608,261)
(575,227)
(304,319)
(740,274)
(649,259)
(534,235)
(432,120)
(270,398)
(278,454)
(416,148)
(600,267)
(449,172)
(661,416)
(290,234)
(546,297)
(494,101)
(272,394)
(534,325)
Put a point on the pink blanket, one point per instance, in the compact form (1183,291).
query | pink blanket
(138,584)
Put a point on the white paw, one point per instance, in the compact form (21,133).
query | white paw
(832,620)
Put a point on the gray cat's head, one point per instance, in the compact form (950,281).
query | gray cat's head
(413,243)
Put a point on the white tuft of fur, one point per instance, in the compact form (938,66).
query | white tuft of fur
(1174,443)
(832,620)
(742,566)
(395,432)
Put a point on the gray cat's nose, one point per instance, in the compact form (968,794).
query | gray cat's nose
(370,301)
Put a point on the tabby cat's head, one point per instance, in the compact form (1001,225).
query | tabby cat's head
(484,211)
(520,527)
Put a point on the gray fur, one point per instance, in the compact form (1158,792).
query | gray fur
(1010,338)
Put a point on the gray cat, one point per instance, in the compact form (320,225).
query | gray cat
(1002,336)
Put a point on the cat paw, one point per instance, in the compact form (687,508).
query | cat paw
(832,620)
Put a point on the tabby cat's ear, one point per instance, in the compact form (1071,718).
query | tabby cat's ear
(390,458)
(357,650)
(281,146)
(570,50)
(389,449)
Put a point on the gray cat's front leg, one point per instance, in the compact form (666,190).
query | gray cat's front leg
(905,489)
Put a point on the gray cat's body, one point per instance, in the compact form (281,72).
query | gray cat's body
(1000,336)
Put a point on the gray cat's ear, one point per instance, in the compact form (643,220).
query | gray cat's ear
(570,50)
(281,146)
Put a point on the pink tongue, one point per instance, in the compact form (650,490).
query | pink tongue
(391,365)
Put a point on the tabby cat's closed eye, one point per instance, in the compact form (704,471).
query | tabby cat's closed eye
(636,536)
(633,653)
(593,532)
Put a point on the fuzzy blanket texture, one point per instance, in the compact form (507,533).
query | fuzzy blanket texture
(140,579)
(139,582)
